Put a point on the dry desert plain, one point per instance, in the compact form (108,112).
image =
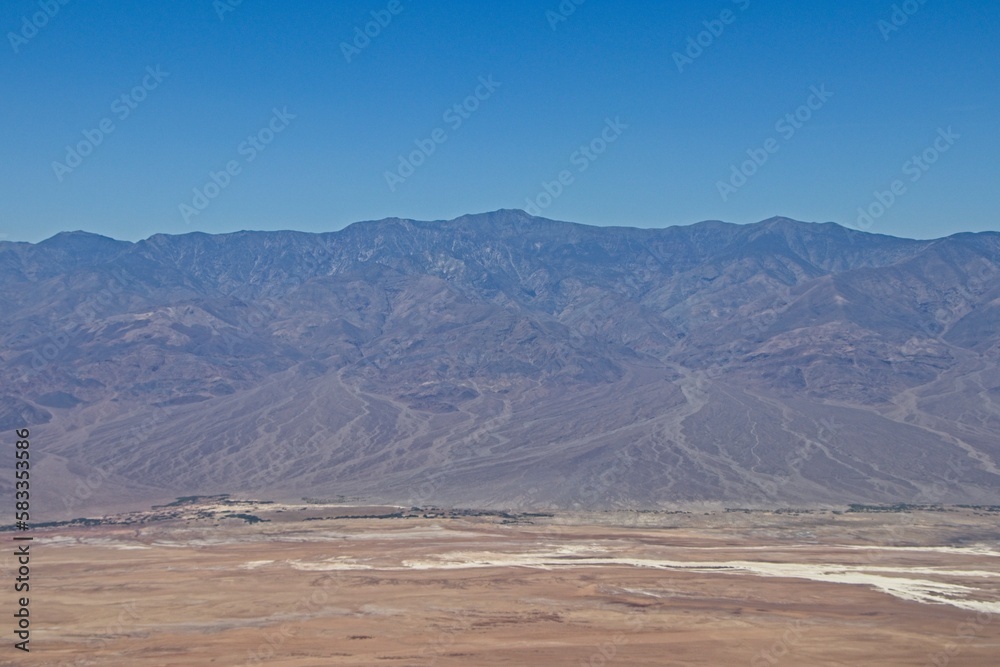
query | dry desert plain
(204,583)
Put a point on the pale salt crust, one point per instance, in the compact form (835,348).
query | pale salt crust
(900,585)
(254,564)
(329,564)
(978,550)
(61,541)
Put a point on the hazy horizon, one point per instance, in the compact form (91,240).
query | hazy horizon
(487,213)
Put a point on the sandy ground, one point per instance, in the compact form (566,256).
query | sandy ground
(651,589)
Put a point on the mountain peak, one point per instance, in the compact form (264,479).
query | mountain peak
(79,236)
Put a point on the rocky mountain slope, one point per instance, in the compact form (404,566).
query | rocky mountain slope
(501,360)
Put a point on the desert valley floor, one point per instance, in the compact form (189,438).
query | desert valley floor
(203,582)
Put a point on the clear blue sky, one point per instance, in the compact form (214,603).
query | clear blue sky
(327,166)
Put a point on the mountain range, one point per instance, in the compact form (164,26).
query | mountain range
(506,361)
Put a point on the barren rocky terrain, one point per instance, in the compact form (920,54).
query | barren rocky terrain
(506,361)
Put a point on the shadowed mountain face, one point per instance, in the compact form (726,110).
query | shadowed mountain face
(504,360)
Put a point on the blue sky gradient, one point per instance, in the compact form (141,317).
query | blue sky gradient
(224,75)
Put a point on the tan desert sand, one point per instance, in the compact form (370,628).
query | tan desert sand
(199,586)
